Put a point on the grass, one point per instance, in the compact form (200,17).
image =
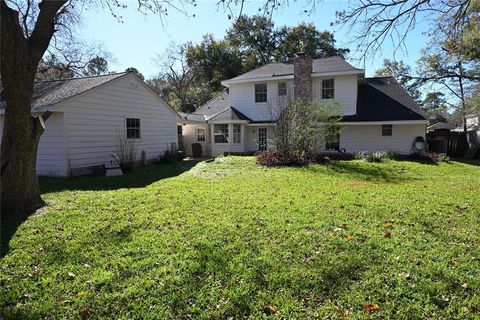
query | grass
(228,239)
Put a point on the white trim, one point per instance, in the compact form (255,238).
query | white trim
(290,76)
(365,123)
(227,121)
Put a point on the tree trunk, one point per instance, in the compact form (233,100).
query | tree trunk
(21,52)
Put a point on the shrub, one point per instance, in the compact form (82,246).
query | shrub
(430,156)
(126,153)
(273,159)
(197,150)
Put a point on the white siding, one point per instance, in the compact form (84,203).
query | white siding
(217,149)
(356,138)
(51,148)
(345,92)
(242,96)
(189,135)
(95,119)
(252,138)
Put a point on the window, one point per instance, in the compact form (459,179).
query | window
(200,134)
(261,92)
(282,89)
(328,89)
(179,130)
(237,131)
(133,128)
(262,139)
(220,133)
(332,137)
(386,130)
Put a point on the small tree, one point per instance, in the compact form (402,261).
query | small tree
(306,128)
(126,152)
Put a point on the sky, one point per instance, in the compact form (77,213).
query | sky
(139,39)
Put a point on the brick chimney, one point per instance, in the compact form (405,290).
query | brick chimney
(302,77)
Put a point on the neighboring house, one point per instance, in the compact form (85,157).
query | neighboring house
(473,123)
(378,114)
(89,114)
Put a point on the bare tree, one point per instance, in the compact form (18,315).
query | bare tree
(375,21)
(177,74)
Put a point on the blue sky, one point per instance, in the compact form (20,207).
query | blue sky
(139,38)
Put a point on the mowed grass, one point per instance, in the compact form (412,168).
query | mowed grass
(228,239)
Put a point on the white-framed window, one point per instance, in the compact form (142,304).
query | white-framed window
(282,89)
(260,92)
(200,134)
(220,133)
(133,128)
(387,130)
(328,88)
(237,133)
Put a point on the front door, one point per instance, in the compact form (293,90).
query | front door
(262,139)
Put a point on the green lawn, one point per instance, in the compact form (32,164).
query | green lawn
(228,240)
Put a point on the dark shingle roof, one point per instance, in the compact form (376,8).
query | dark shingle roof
(323,65)
(230,114)
(441,126)
(54,91)
(384,99)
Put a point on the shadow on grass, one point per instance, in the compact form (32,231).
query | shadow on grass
(139,178)
(369,171)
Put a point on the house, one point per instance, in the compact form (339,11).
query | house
(88,116)
(378,114)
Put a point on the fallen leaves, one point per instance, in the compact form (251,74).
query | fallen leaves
(387,235)
(371,307)
(82,294)
(269,309)
(349,238)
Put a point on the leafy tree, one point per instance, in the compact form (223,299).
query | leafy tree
(255,37)
(135,70)
(96,66)
(305,37)
(436,105)
(212,61)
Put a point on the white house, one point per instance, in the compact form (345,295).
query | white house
(378,114)
(89,114)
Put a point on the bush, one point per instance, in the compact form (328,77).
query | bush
(274,159)
(378,156)
(430,156)
(197,150)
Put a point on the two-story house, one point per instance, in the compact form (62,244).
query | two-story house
(378,114)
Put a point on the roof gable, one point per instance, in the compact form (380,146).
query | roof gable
(384,99)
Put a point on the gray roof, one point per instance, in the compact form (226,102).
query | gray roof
(441,126)
(230,114)
(384,99)
(215,105)
(322,65)
(192,116)
(50,92)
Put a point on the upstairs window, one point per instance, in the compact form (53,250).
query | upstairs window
(328,90)
(237,131)
(200,134)
(220,133)
(282,89)
(261,92)
(387,130)
(133,128)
